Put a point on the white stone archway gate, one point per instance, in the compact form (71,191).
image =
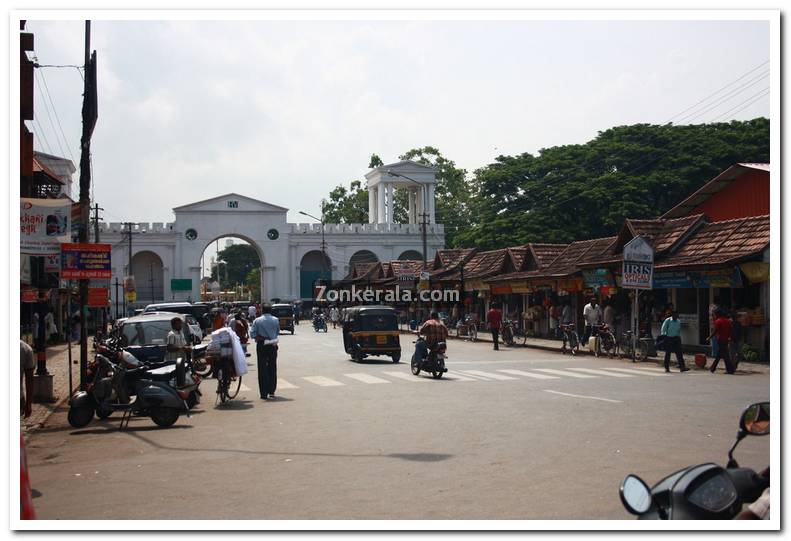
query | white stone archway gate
(281,245)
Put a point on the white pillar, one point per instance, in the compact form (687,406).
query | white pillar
(380,204)
(431,204)
(371,205)
(411,205)
(390,206)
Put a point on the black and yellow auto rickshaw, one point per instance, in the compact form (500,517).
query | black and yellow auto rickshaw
(371,330)
(285,315)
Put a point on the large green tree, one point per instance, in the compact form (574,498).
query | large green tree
(584,191)
(239,260)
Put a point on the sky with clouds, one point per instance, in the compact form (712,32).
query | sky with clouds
(283,111)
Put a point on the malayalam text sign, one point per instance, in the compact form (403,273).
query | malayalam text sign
(44,225)
(637,275)
(98,297)
(82,261)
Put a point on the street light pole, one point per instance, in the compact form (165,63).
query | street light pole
(323,244)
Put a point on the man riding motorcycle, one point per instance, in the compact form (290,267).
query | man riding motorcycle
(434,332)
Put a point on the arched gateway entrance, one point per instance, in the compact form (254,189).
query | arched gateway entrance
(289,254)
(232,268)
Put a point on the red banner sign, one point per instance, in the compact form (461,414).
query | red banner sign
(98,297)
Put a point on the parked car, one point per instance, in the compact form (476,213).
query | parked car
(198,311)
(145,336)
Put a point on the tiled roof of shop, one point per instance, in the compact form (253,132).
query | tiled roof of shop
(546,253)
(517,255)
(480,265)
(721,242)
(400,267)
(448,259)
(575,253)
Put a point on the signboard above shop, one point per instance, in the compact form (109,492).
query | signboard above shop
(638,250)
(44,225)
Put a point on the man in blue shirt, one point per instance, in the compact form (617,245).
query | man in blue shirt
(671,329)
(266,329)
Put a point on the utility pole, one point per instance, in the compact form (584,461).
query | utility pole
(117,313)
(89,116)
(96,209)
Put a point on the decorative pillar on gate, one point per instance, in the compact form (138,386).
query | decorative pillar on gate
(382,182)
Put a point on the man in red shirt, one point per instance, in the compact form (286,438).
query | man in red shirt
(722,333)
(494,319)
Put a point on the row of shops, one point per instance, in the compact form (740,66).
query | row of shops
(699,264)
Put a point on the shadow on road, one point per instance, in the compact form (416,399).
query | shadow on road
(235,404)
(413,457)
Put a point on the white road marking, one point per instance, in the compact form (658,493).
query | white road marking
(582,396)
(283,384)
(527,374)
(486,375)
(366,378)
(564,373)
(244,388)
(602,373)
(653,369)
(638,372)
(456,376)
(321,381)
(406,376)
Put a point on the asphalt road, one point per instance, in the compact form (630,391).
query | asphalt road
(514,434)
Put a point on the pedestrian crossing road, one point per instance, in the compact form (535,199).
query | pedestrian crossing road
(464,376)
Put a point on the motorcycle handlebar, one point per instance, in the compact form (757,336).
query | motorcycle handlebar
(749,484)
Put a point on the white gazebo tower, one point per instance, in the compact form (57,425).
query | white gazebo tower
(419,181)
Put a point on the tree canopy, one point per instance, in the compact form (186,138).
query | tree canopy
(570,192)
(239,260)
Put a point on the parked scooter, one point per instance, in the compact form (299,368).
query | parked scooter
(434,362)
(704,491)
(319,323)
(109,392)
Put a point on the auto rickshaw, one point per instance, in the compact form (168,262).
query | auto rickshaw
(371,330)
(285,315)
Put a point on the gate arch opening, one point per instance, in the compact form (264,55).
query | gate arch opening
(362,256)
(232,269)
(314,267)
(149,277)
(410,255)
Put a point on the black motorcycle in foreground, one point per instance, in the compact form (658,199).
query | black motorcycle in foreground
(434,362)
(704,491)
(133,392)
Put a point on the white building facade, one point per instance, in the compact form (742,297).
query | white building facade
(290,253)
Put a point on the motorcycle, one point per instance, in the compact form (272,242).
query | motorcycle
(434,362)
(319,323)
(703,491)
(109,391)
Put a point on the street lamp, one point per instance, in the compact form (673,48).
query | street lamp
(323,244)
(423,214)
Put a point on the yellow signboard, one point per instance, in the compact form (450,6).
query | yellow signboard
(756,271)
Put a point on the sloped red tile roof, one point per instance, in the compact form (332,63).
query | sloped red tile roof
(452,257)
(565,262)
(720,243)
(517,255)
(545,254)
(480,265)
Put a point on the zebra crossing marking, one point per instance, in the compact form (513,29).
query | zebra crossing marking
(407,377)
(321,381)
(456,376)
(487,375)
(283,384)
(366,378)
(596,372)
(564,373)
(638,372)
(528,374)
(583,396)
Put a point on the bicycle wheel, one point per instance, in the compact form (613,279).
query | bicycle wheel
(222,384)
(473,333)
(508,336)
(574,343)
(233,386)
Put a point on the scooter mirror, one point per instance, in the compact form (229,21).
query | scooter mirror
(755,419)
(635,495)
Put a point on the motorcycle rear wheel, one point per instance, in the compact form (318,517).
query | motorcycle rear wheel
(415,368)
(80,416)
(164,417)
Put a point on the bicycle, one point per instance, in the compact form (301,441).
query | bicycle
(605,343)
(507,332)
(571,338)
(467,328)
(627,350)
(228,383)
